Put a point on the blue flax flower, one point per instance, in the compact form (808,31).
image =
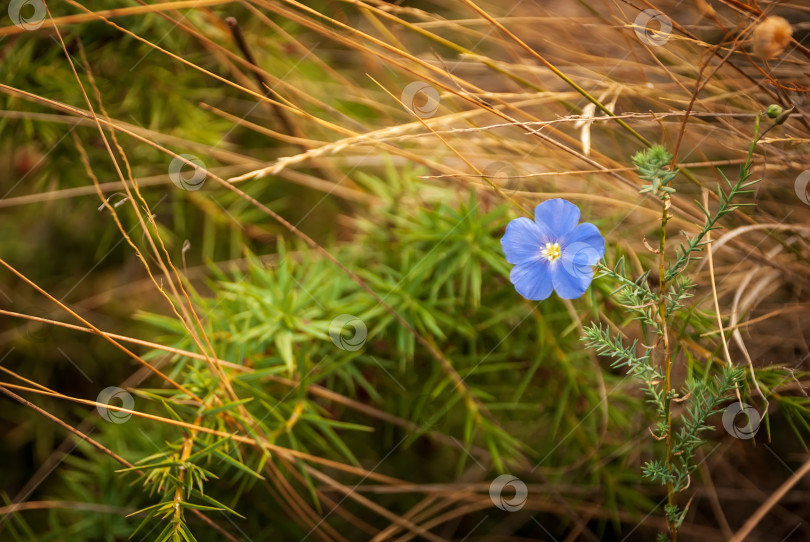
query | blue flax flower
(552,252)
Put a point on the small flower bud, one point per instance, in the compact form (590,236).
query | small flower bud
(773,111)
(783,116)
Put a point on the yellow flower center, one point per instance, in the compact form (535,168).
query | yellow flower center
(552,251)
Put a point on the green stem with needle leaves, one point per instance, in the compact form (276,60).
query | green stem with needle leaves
(703,394)
(662,313)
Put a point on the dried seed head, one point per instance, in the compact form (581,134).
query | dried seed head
(771,37)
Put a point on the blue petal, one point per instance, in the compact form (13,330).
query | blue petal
(570,285)
(559,216)
(532,280)
(586,234)
(581,249)
(523,241)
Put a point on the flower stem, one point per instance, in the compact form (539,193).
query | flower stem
(662,313)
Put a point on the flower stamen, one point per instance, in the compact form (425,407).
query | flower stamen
(552,251)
